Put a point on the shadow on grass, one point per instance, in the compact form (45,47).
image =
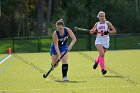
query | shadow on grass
(70,81)
(111,76)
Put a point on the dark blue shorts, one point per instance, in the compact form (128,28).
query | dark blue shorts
(61,49)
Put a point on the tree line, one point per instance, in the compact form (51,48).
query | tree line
(23,18)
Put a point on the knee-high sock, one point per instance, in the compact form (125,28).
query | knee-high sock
(101,60)
(97,60)
(64,70)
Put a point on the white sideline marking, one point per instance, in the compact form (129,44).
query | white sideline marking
(2,60)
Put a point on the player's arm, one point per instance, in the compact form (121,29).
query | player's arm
(113,30)
(93,30)
(55,41)
(71,34)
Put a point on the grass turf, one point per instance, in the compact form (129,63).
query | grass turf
(22,73)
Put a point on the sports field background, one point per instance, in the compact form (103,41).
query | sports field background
(33,44)
(26,26)
(22,73)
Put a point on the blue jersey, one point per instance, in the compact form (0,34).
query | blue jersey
(62,42)
(62,39)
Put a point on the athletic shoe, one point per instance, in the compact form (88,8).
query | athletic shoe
(65,79)
(104,71)
(95,65)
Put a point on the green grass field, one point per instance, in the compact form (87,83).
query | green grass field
(25,75)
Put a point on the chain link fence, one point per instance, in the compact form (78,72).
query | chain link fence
(84,43)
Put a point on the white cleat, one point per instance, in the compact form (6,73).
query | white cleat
(65,79)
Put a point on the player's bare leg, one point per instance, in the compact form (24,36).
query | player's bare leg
(54,60)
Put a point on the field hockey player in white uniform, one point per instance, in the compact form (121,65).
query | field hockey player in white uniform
(103,28)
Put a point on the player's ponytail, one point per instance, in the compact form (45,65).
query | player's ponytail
(60,22)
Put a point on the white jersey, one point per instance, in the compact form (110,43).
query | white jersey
(102,39)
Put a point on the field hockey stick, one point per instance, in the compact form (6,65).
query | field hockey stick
(81,29)
(85,30)
(52,67)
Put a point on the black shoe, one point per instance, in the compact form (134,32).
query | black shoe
(95,65)
(104,71)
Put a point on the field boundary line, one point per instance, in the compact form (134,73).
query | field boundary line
(5,58)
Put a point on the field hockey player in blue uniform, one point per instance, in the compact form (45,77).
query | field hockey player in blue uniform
(59,46)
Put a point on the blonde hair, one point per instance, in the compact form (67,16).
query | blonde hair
(101,12)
